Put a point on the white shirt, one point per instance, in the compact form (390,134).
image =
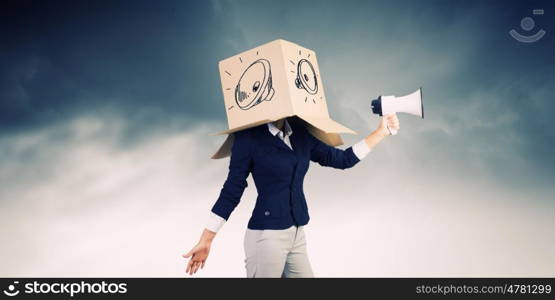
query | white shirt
(360,149)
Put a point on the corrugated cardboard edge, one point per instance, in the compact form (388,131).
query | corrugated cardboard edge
(324,129)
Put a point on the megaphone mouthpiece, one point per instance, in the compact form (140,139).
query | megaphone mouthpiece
(377,106)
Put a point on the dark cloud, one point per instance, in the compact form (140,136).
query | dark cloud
(156,65)
(153,62)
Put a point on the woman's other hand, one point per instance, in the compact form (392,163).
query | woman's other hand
(199,253)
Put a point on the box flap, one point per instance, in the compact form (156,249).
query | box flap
(324,129)
(225,148)
(326,124)
(254,124)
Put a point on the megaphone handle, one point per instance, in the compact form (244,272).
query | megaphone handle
(392,130)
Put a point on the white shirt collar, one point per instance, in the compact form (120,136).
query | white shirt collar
(274,130)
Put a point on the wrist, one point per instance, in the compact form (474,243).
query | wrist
(205,242)
(380,133)
(207,237)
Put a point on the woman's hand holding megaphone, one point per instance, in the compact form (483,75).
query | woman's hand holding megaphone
(389,124)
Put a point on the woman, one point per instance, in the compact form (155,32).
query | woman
(277,154)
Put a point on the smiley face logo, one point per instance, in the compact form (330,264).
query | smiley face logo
(528,24)
(306,77)
(11,290)
(255,85)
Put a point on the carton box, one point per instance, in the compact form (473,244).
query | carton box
(273,81)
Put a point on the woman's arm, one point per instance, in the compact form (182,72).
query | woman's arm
(330,156)
(240,165)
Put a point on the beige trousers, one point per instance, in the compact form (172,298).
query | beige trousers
(276,253)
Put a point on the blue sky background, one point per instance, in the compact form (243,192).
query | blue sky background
(106,109)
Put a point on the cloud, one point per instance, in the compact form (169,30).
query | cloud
(82,206)
(74,203)
(158,65)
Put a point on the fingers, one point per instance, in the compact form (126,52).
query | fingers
(189,266)
(192,268)
(194,265)
(391,118)
(197,265)
(392,121)
(394,124)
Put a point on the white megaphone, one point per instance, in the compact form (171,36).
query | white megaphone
(411,104)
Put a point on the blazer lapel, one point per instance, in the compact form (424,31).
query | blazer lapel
(295,141)
(273,139)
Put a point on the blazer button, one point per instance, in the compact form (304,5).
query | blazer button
(267,213)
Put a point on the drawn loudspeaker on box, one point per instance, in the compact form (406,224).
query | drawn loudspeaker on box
(255,85)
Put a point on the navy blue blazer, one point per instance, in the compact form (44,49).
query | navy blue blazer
(278,173)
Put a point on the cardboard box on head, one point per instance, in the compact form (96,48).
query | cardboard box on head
(274,81)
